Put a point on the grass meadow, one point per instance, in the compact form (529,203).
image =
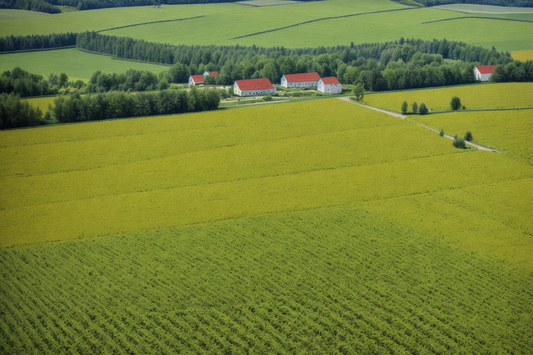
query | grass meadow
(41,102)
(485,9)
(77,64)
(339,229)
(473,97)
(13,14)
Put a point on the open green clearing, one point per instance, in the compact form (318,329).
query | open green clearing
(484,9)
(11,14)
(77,64)
(243,231)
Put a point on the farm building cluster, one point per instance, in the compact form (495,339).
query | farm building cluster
(263,86)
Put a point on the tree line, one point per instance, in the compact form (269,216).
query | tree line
(32,5)
(521,3)
(514,71)
(22,83)
(120,104)
(55,40)
(15,113)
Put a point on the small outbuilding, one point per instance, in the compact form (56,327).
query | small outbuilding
(300,80)
(483,72)
(253,87)
(196,79)
(329,85)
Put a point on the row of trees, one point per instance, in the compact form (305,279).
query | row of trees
(15,113)
(55,40)
(523,3)
(32,5)
(514,71)
(135,80)
(119,104)
(22,83)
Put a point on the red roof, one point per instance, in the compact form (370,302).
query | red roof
(213,73)
(198,78)
(254,84)
(486,69)
(330,80)
(294,78)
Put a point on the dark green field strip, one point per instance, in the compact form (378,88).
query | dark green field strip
(337,279)
(476,17)
(321,19)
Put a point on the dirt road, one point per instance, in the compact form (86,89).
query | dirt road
(394,114)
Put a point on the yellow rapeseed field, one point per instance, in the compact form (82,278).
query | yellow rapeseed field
(102,178)
(523,55)
(507,131)
(479,96)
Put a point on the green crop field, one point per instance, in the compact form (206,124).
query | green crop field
(478,96)
(77,64)
(11,14)
(234,20)
(311,227)
(485,9)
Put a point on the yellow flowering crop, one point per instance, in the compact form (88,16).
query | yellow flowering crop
(523,55)
(501,95)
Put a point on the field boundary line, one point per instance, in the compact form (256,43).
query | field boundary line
(149,23)
(38,50)
(480,147)
(322,19)
(477,17)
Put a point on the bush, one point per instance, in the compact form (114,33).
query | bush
(468,136)
(455,103)
(459,142)
(404,107)
(268,98)
(423,109)
(441,133)
(415,107)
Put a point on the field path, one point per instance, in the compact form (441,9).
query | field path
(394,114)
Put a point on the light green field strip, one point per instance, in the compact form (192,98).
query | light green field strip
(41,102)
(77,64)
(12,14)
(224,16)
(486,96)
(484,9)
(504,35)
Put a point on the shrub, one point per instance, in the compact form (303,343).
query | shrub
(414,107)
(404,107)
(464,108)
(359,91)
(441,133)
(459,142)
(268,98)
(423,109)
(468,136)
(455,103)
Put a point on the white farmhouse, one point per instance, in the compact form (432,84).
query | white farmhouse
(300,80)
(483,72)
(252,87)
(329,85)
(196,79)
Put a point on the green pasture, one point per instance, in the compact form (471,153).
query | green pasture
(77,64)
(484,9)
(13,14)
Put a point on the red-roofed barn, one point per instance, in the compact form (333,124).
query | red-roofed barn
(196,79)
(483,72)
(253,87)
(212,73)
(299,80)
(329,85)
